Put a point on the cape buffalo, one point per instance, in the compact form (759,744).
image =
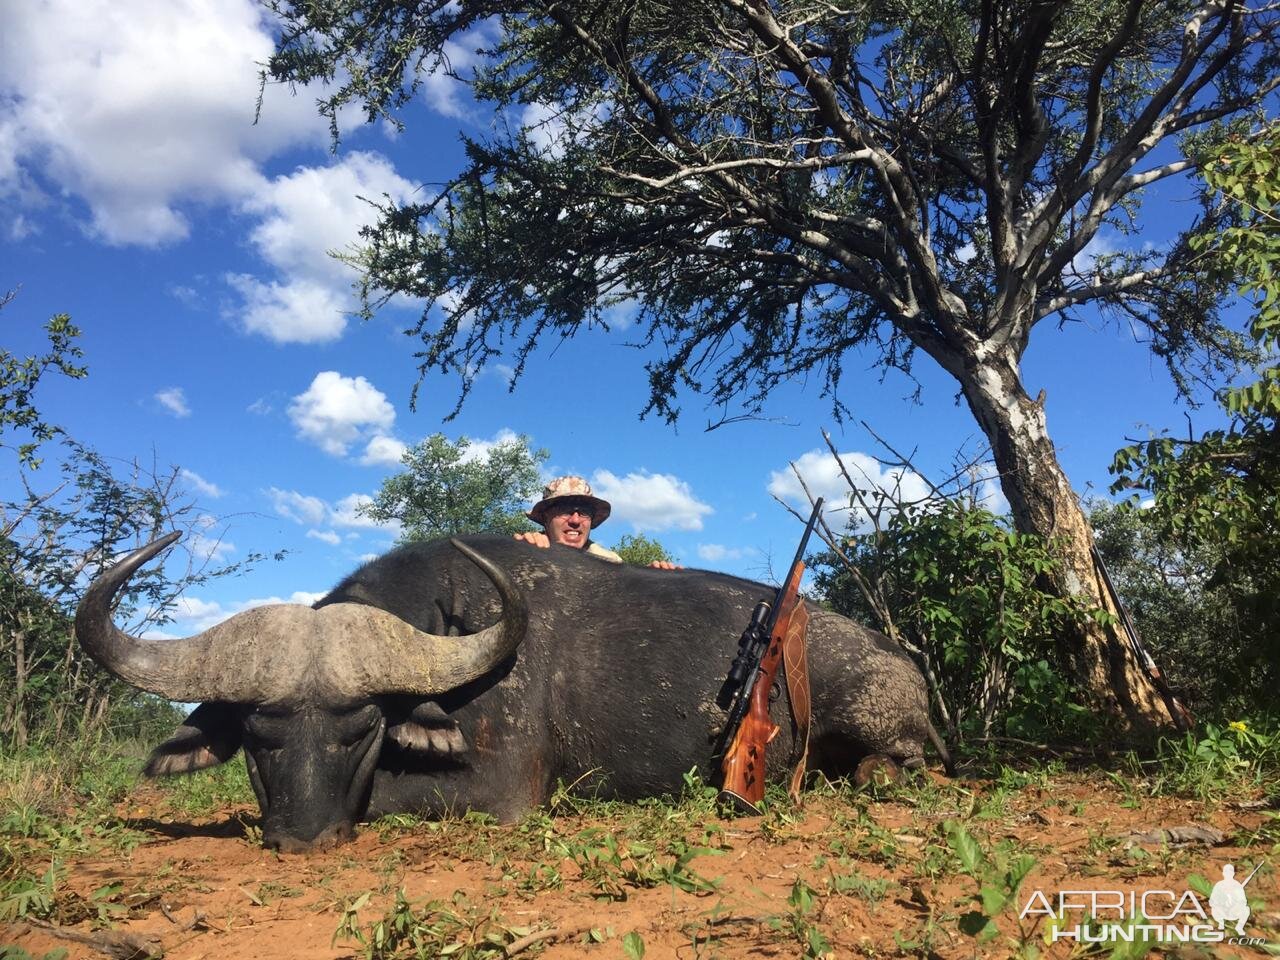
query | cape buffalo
(474,673)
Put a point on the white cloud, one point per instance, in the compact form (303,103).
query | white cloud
(193,608)
(296,311)
(336,412)
(185,295)
(302,218)
(314,512)
(298,507)
(822,475)
(621,315)
(174,399)
(480,449)
(201,485)
(987,491)
(546,128)
(192,614)
(651,501)
(715,552)
(140,110)
(446,94)
(1101,245)
(314,210)
(206,543)
(383,452)
(326,536)
(551,128)
(20,227)
(448,304)
(346,513)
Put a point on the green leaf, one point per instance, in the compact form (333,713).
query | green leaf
(633,946)
(993,898)
(1199,884)
(818,944)
(965,847)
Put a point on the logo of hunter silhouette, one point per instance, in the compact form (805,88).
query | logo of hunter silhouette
(1227,902)
(1109,916)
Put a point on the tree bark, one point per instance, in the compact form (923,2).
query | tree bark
(1042,502)
(19,726)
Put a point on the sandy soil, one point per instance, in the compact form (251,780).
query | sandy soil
(884,879)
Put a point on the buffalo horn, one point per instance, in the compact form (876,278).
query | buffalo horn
(407,660)
(267,654)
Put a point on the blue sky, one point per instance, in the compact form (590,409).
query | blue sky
(191,247)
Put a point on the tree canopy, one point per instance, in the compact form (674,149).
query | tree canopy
(19,378)
(641,550)
(449,488)
(776,186)
(771,184)
(1224,487)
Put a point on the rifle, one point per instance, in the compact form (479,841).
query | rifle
(776,629)
(1181,716)
(1253,871)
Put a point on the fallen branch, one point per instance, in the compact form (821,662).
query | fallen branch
(114,943)
(552,933)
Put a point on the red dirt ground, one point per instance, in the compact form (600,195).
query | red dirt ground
(209,890)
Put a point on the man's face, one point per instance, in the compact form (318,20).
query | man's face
(569,523)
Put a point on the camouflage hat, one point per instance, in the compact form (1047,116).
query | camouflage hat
(569,488)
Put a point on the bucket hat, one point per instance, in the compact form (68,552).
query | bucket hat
(569,488)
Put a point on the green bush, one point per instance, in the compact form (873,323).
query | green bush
(641,550)
(1206,512)
(958,586)
(1204,619)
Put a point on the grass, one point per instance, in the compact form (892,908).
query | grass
(207,791)
(57,806)
(1214,762)
(459,929)
(59,803)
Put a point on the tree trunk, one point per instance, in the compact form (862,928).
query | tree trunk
(1042,502)
(19,726)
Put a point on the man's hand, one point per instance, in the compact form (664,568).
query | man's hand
(536,537)
(665,565)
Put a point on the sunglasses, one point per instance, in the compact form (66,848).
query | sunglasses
(583,510)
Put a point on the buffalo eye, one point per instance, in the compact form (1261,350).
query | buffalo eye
(351,728)
(267,731)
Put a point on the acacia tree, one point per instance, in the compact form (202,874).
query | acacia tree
(56,536)
(19,377)
(775,183)
(641,550)
(448,488)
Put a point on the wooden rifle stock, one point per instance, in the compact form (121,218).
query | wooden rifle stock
(742,765)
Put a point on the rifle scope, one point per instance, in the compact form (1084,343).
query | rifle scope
(742,663)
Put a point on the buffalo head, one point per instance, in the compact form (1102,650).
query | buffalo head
(304,691)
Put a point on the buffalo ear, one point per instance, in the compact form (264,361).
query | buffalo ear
(209,736)
(428,731)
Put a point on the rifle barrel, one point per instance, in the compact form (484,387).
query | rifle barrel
(1253,871)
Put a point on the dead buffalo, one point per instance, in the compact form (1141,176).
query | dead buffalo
(475,673)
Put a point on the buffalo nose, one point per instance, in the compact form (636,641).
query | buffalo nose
(331,836)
